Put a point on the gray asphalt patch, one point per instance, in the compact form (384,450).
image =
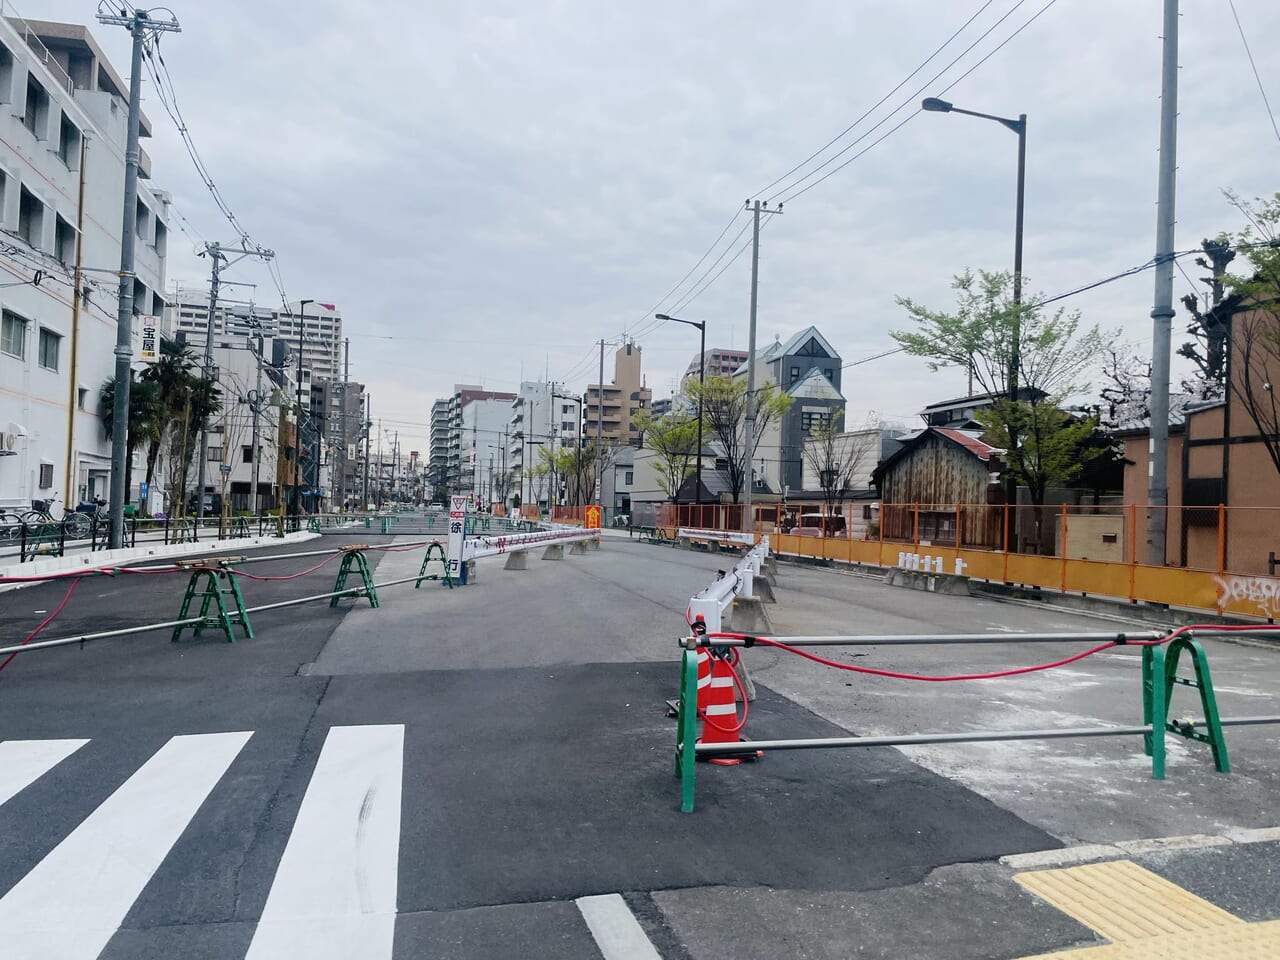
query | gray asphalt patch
(555,783)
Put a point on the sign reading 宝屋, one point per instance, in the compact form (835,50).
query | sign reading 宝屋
(593,518)
(457,529)
(149,348)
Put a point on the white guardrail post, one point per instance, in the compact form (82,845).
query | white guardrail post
(714,601)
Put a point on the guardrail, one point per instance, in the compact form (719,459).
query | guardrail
(475,548)
(711,603)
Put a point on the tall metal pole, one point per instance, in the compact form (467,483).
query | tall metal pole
(702,380)
(1015,351)
(346,389)
(124,318)
(600,431)
(256,407)
(749,419)
(297,441)
(368,430)
(1162,312)
(215,254)
(139,24)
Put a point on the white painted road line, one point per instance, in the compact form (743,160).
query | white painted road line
(74,899)
(334,893)
(616,931)
(22,762)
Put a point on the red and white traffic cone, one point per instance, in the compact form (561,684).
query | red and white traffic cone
(704,680)
(720,715)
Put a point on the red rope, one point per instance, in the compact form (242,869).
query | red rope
(1014,671)
(290,576)
(43,623)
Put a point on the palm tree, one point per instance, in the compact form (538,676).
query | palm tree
(146,414)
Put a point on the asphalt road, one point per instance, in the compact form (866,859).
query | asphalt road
(485,772)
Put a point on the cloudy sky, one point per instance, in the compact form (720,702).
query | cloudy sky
(486,189)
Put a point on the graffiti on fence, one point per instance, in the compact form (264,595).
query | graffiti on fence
(1260,591)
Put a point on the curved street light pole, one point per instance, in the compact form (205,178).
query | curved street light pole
(1018,126)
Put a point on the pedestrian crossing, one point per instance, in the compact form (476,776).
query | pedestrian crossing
(334,891)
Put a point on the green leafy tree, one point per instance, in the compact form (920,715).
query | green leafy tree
(1043,445)
(674,439)
(1255,319)
(724,411)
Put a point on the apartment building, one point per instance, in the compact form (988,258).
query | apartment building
(479,421)
(543,417)
(62,136)
(608,408)
(719,362)
(438,451)
(320,323)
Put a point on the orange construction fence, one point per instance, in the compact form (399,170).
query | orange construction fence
(1215,558)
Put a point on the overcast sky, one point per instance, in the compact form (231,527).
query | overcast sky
(486,189)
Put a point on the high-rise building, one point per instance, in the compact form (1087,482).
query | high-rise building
(321,325)
(607,409)
(479,421)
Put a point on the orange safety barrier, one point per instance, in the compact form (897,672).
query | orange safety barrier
(1220,558)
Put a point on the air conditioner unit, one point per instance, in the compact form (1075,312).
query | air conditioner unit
(8,441)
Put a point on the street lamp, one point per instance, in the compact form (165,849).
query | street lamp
(702,369)
(1019,126)
(297,442)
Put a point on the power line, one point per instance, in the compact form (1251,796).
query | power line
(648,316)
(908,102)
(1249,53)
(876,106)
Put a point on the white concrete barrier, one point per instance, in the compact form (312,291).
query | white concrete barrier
(475,548)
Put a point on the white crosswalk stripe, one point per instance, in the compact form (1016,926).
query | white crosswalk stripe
(334,894)
(22,762)
(75,899)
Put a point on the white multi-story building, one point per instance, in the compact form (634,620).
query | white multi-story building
(543,417)
(62,136)
(479,421)
(321,325)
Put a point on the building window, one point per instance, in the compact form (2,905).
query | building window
(795,374)
(68,142)
(82,397)
(13,335)
(568,426)
(808,421)
(162,238)
(64,241)
(140,220)
(37,109)
(826,372)
(246,453)
(50,343)
(46,476)
(214,455)
(30,218)
(627,479)
(6,73)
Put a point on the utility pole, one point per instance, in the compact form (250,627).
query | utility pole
(256,406)
(346,389)
(1162,311)
(749,418)
(217,256)
(368,431)
(600,430)
(140,26)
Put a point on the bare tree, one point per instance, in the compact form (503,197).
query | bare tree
(839,459)
(724,406)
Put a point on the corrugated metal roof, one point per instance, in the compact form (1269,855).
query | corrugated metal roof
(974,445)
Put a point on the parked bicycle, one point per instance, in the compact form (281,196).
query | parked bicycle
(75,525)
(11,524)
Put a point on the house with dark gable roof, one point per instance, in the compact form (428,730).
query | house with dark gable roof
(807,368)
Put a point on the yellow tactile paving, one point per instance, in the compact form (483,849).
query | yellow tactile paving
(1243,941)
(1123,902)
